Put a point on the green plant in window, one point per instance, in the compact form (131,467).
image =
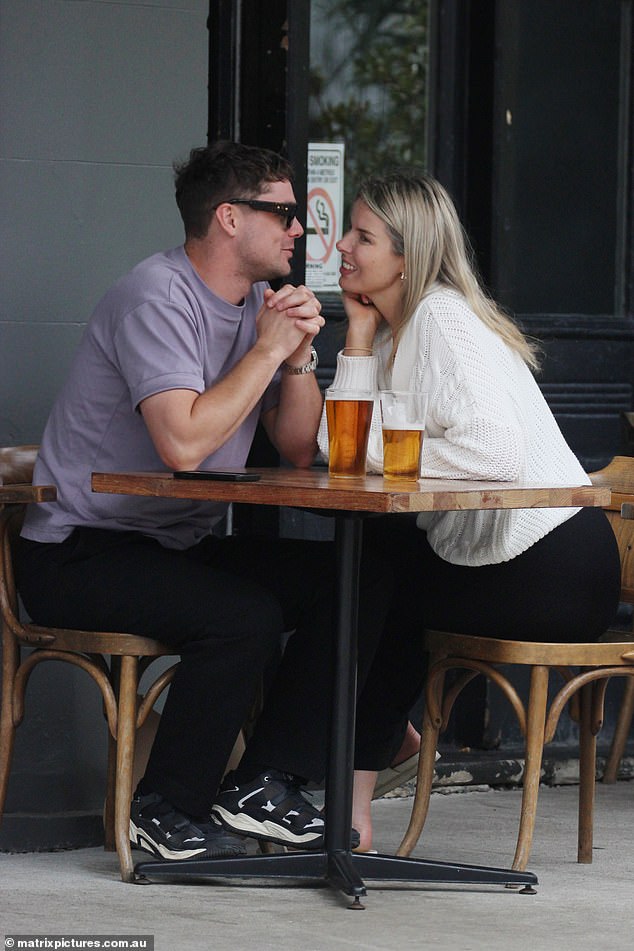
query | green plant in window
(368,82)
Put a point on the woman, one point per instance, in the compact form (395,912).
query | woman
(418,319)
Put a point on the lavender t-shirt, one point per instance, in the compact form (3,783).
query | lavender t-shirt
(159,328)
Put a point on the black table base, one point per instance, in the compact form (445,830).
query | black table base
(344,871)
(337,865)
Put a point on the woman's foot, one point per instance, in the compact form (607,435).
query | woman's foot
(404,766)
(409,747)
(364,783)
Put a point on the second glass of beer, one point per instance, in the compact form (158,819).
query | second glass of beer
(349,414)
(403,423)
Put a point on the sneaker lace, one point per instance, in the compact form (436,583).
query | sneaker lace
(171,820)
(297,793)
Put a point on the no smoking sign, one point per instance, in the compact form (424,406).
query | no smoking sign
(321,222)
(324,215)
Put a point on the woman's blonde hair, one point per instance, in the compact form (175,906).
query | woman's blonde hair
(424,227)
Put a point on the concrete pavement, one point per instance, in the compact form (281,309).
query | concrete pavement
(577,907)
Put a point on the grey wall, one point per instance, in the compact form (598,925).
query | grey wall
(97,99)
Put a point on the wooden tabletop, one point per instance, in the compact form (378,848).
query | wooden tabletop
(314,488)
(25,492)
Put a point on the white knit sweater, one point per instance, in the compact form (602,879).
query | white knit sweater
(486,420)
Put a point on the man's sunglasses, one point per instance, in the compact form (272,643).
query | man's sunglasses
(286,210)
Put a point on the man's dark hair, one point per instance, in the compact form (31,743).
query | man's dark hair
(221,171)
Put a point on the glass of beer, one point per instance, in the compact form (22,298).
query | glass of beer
(403,424)
(348,413)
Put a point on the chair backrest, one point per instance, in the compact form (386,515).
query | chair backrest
(619,475)
(16,468)
(16,464)
(10,523)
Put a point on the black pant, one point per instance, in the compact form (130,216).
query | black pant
(224,605)
(565,588)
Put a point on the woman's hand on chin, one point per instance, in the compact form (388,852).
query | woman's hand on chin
(363,320)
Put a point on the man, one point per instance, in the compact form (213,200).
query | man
(178,363)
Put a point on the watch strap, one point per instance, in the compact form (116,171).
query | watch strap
(309,367)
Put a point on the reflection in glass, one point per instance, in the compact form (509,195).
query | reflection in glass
(368,69)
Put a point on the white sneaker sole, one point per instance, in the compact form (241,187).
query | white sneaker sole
(140,840)
(244,824)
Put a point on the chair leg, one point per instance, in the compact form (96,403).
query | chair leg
(532,769)
(587,775)
(111,770)
(424,779)
(126,733)
(109,843)
(10,661)
(7,737)
(621,732)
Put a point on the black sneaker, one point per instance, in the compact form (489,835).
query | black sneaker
(157,827)
(272,807)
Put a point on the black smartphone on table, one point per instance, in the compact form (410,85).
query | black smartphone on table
(218,475)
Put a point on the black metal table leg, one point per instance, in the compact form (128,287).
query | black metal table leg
(346,869)
(340,873)
(341,868)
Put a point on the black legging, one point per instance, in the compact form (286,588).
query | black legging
(565,587)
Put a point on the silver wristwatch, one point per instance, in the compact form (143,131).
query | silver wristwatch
(309,367)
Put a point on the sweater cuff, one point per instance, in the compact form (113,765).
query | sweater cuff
(356,373)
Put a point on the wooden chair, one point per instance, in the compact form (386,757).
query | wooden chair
(621,733)
(115,661)
(585,687)
(626,712)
